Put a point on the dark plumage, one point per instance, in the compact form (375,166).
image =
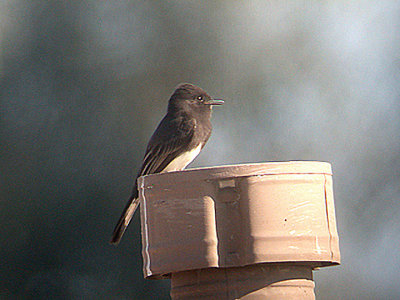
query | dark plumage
(178,139)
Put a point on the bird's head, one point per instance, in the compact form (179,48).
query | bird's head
(190,98)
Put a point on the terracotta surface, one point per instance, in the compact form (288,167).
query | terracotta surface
(261,281)
(231,216)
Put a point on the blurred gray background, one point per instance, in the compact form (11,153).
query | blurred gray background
(84,84)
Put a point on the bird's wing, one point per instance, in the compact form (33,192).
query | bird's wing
(171,138)
(167,143)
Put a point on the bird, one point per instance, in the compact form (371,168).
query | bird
(176,142)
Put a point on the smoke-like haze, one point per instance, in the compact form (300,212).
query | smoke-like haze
(84,84)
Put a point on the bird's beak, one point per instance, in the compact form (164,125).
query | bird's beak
(214,102)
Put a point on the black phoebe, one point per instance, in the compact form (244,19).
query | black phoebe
(178,139)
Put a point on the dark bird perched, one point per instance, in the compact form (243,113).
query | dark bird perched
(178,139)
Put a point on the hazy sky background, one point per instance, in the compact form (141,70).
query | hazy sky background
(84,83)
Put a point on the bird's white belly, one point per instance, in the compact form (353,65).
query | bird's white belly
(181,161)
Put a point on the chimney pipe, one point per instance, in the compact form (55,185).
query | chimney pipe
(251,231)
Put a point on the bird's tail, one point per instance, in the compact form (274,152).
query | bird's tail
(124,220)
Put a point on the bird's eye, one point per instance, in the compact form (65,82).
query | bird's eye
(200,98)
